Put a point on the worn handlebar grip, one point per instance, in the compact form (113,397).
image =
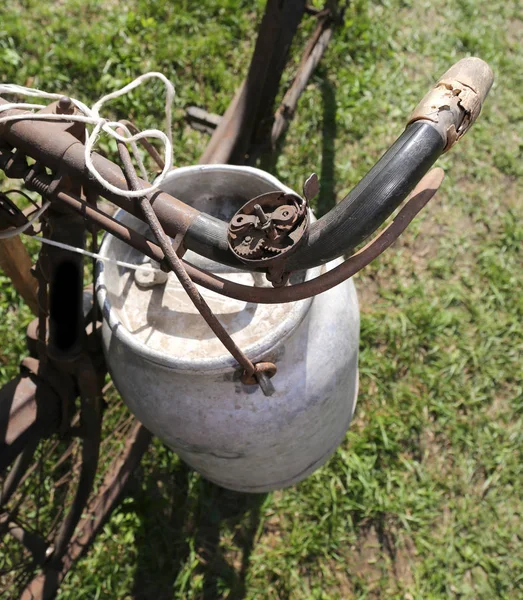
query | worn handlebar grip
(439,120)
(443,116)
(455,102)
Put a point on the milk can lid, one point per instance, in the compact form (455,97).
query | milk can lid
(161,324)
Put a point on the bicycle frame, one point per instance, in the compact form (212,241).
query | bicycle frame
(63,368)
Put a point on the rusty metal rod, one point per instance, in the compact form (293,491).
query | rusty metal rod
(122,232)
(153,153)
(252,105)
(176,265)
(18,470)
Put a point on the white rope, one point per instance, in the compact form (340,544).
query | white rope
(10,233)
(91,116)
(104,259)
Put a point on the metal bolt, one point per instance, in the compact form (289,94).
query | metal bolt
(265,222)
(65,106)
(260,214)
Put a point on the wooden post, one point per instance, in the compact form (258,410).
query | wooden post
(311,57)
(16,264)
(250,113)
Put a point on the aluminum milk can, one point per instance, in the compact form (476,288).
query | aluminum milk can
(182,384)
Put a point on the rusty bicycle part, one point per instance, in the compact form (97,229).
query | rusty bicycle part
(55,413)
(53,442)
(342,229)
(176,265)
(35,443)
(54,463)
(428,184)
(268,228)
(44,427)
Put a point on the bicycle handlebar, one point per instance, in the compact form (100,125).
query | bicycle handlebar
(439,120)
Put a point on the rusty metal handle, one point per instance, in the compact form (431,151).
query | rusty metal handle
(443,116)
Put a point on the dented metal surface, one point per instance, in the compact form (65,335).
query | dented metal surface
(181,383)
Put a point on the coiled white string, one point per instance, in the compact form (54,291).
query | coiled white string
(91,116)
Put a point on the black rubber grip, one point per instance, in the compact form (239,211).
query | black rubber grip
(207,236)
(374,199)
(356,217)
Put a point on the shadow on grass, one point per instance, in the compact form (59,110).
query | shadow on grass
(381,559)
(219,511)
(327,196)
(182,537)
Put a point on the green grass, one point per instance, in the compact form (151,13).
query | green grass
(423,499)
